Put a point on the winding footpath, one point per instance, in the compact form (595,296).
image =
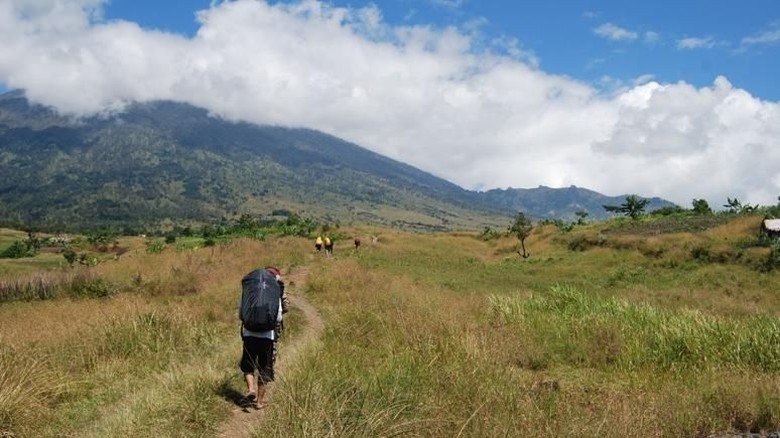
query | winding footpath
(242,423)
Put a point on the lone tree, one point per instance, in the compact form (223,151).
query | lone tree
(700,206)
(522,229)
(633,207)
(582,217)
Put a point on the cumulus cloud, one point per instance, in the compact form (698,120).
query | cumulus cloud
(432,97)
(616,33)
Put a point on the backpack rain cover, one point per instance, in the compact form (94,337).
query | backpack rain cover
(260,295)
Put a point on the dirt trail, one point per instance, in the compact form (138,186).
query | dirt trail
(242,423)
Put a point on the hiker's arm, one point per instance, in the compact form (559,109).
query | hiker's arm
(285,300)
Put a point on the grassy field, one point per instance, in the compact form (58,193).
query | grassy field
(613,329)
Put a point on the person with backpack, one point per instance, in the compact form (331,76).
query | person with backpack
(328,245)
(260,310)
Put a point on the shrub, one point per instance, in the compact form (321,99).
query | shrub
(582,242)
(155,246)
(19,249)
(701,253)
(88,286)
(489,233)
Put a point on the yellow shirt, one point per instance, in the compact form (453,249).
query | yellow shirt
(319,241)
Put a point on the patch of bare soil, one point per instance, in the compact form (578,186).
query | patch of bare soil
(244,421)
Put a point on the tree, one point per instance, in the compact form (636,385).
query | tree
(700,206)
(521,228)
(735,206)
(633,207)
(582,217)
(246,222)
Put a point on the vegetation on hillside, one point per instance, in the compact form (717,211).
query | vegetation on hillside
(165,161)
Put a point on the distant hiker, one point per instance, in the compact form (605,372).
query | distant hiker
(260,311)
(318,244)
(357,242)
(328,246)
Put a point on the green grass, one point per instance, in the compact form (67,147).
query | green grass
(8,237)
(616,335)
(10,268)
(426,335)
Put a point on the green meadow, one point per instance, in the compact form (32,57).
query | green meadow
(621,328)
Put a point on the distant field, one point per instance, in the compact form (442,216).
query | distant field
(610,329)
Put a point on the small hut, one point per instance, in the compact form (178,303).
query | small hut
(771,228)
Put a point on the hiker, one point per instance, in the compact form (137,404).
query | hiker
(357,242)
(260,310)
(318,244)
(328,246)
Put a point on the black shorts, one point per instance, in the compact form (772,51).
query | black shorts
(258,355)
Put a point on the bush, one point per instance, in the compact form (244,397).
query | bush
(70,256)
(701,253)
(489,234)
(584,242)
(88,286)
(155,247)
(20,249)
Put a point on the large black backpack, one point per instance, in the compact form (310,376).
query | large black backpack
(260,297)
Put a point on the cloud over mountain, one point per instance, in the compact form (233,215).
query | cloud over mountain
(428,96)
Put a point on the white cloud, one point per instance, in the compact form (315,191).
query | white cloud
(616,33)
(696,43)
(641,80)
(652,37)
(426,96)
(768,37)
(453,4)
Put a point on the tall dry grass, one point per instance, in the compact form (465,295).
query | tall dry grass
(416,346)
(137,362)
(426,335)
(28,384)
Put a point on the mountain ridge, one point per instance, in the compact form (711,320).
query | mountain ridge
(168,161)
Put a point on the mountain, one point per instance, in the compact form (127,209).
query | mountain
(171,162)
(561,203)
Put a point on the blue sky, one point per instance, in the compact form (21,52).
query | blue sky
(671,99)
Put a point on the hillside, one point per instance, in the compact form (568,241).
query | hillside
(559,203)
(165,161)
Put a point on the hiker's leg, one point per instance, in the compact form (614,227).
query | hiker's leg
(260,401)
(251,384)
(266,371)
(249,362)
